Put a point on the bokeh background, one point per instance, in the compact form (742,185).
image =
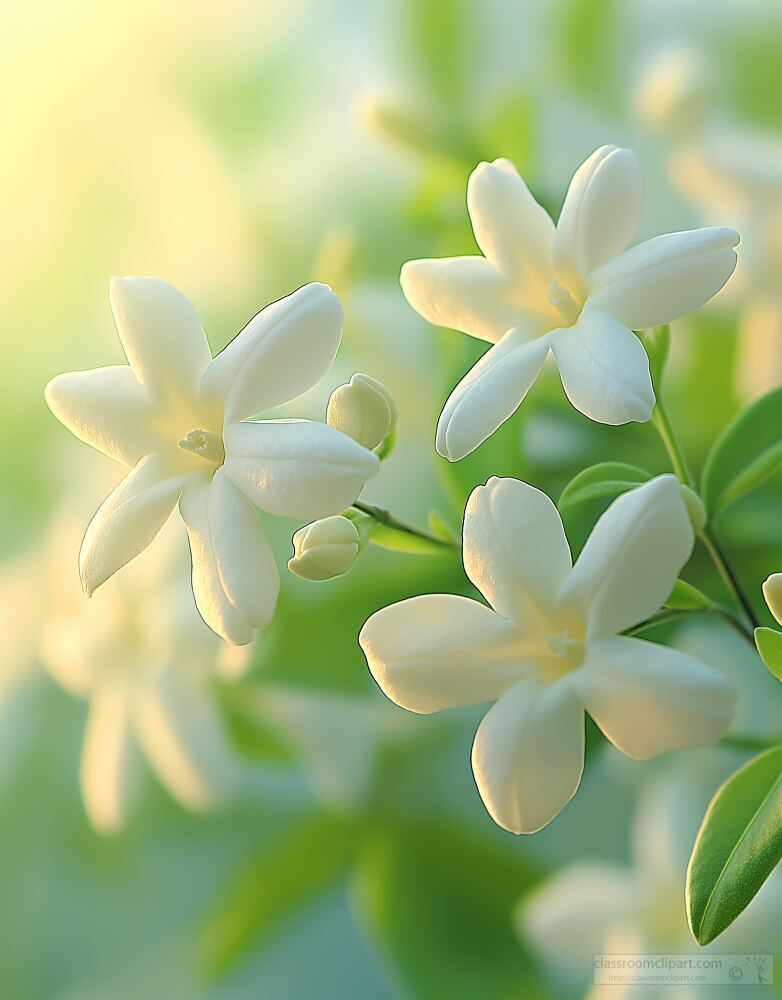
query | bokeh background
(239,150)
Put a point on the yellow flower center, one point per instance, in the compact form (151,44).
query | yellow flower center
(205,444)
(562,300)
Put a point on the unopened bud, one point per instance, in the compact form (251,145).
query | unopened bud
(363,409)
(695,508)
(324,549)
(772,591)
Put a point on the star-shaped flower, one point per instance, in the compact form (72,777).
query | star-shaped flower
(548,648)
(573,290)
(179,419)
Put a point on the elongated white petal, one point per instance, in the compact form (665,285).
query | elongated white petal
(664,278)
(632,558)
(440,651)
(296,468)
(243,555)
(107,408)
(604,369)
(109,762)
(489,393)
(162,336)
(515,550)
(464,293)
(511,228)
(649,699)
(282,352)
(129,518)
(179,730)
(568,917)
(212,601)
(528,755)
(601,213)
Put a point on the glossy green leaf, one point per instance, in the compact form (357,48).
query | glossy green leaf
(738,846)
(398,540)
(685,597)
(747,452)
(605,481)
(270,887)
(769,645)
(440,527)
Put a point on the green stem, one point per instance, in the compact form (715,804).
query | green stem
(682,469)
(672,614)
(385,517)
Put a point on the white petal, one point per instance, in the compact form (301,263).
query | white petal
(109,762)
(212,601)
(649,699)
(463,293)
(511,228)
(568,917)
(440,651)
(515,549)
(528,755)
(600,216)
(243,555)
(489,393)
(107,408)
(664,278)
(162,336)
(632,558)
(296,468)
(129,518)
(604,369)
(180,732)
(282,352)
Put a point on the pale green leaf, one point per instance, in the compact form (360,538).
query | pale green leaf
(769,644)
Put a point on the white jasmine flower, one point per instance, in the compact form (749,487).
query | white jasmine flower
(574,290)
(178,418)
(364,409)
(324,549)
(599,907)
(144,659)
(548,648)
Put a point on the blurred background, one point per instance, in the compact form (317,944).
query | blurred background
(239,150)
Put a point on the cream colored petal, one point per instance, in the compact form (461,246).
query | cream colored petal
(243,555)
(440,651)
(513,231)
(632,558)
(772,592)
(515,550)
(600,216)
(604,369)
(180,732)
(528,755)
(464,293)
(107,408)
(282,352)
(129,518)
(162,336)
(212,601)
(296,468)
(490,392)
(109,762)
(648,699)
(658,281)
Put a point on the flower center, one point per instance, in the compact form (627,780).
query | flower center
(563,646)
(567,307)
(205,444)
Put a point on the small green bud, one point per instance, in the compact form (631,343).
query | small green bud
(363,409)
(772,591)
(324,549)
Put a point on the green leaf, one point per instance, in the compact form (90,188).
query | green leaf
(769,644)
(747,452)
(738,846)
(685,597)
(270,887)
(605,481)
(399,540)
(440,527)
(437,901)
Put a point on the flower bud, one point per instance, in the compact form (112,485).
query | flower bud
(695,508)
(363,409)
(772,591)
(324,549)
